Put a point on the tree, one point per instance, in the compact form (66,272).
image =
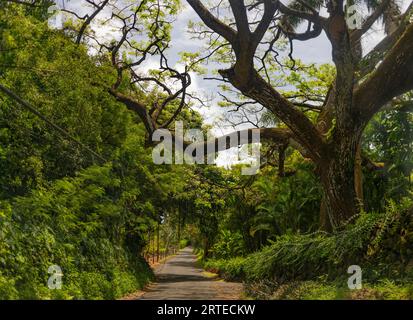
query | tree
(333,140)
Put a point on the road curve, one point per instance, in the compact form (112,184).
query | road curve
(180,279)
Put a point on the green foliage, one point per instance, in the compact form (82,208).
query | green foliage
(307,256)
(228,245)
(78,225)
(288,203)
(231,269)
(389,140)
(184,243)
(272,206)
(380,243)
(58,206)
(322,290)
(61,81)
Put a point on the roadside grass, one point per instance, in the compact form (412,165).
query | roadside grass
(321,290)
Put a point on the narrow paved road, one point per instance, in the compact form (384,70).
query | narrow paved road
(179,278)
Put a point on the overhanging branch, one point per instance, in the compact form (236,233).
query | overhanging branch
(393,77)
(212,22)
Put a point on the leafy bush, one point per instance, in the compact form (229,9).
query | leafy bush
(78,225)
(322,290)
(7,288)
(370,238)
(232,269)
(380,243)
(184,243)
(229,244)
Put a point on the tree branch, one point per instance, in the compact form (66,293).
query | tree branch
(241,19)
(369,62)
(357,33)
(89,20)
(270,7)
(212,22)
(277,136)
(262,92)
(393,77)
(137,107)
(313,17)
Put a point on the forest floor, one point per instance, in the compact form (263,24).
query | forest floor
(180,278)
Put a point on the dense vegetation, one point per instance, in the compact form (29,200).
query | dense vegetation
(59,204)
(88,197)
(271,240)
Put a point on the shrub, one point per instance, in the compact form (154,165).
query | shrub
(184,243)
(229,244)
(322,290)
(232,269)
(70,225)
(7,289)
(372,241)
(366,241)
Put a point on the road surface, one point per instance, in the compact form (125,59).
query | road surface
(179,278)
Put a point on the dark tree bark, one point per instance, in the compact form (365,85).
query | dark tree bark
(338,179)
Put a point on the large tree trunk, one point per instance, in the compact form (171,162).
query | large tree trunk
(358,177)
(340,182)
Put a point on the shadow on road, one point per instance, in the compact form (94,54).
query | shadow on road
(180,278)
(170,277)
